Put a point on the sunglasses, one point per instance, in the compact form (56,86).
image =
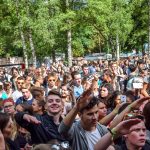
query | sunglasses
(20,82)
(133,115)
(51,80)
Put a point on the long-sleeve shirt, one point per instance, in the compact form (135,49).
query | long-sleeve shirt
(41,133)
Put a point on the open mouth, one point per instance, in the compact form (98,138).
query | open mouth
(54,106)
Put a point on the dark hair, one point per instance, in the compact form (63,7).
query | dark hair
(26,108)
(111,100)
(4,119)
(132,67)
(109,87)
(141,61)
(94,101)
(75,73)
(54,92)
(84,66)
(146,113)
(14,68)
(108,73)
(130,94)
(41,103)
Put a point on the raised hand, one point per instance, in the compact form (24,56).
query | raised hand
(136,104)
(123,127)
(84,99)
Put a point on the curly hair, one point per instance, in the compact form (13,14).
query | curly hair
(110,89)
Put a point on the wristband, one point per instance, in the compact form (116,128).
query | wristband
(130,107)
(115,112)
(113,133)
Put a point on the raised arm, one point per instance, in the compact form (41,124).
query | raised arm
(107,119)
(82,102)
(67,122)
(121,129)
(135,105)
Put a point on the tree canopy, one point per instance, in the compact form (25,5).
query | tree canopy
(40,26)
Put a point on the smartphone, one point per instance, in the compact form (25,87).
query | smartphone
(137,85)
(123,98)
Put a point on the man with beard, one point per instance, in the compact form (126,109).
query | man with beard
(44,128)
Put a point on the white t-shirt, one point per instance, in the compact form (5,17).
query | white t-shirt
(16,94)
(92,138)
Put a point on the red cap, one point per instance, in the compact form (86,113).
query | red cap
(8,100)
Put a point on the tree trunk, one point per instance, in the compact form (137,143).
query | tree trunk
(25,55)
(99,43)
(108,48)
(24,49)
(53,55)
(69,40)
(32,49)
(117,48)
(69,48)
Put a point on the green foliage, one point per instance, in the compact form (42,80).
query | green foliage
(94,25)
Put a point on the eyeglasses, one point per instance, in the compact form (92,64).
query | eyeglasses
(8,106)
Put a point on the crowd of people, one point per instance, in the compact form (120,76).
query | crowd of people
(96,105)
